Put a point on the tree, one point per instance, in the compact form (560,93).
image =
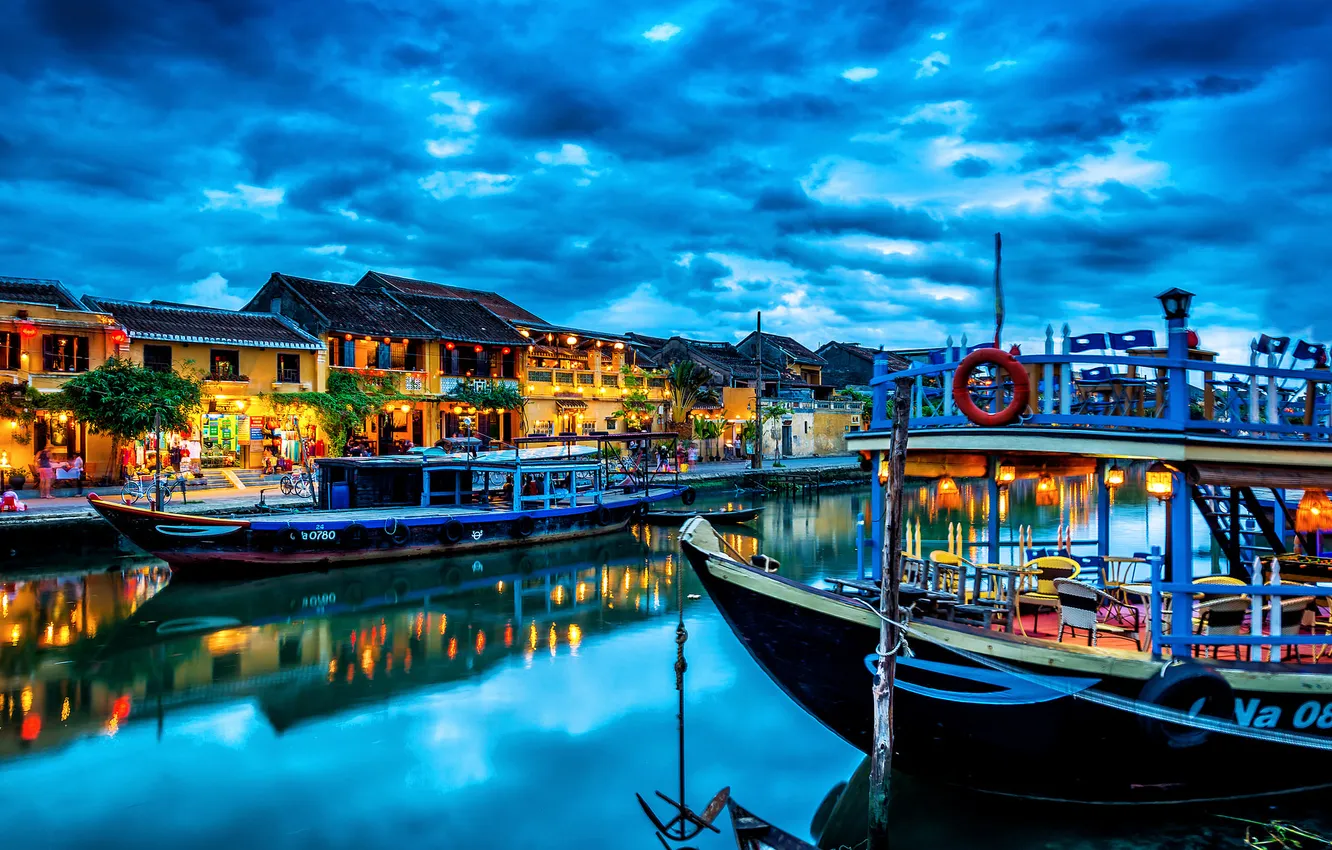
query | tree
(690,386)
(343,407)
(122,399)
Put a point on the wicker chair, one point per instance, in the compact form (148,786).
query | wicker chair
(1295,614)
(1043,595)
(1223,616)
(1080,607)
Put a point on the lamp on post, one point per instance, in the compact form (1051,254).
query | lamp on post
(1175,302)
(1005,473)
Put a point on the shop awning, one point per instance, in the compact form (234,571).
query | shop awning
(570,404)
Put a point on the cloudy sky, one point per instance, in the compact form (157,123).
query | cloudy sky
(842,166)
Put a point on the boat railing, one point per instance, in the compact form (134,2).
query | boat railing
(1183,595)
(1116,392)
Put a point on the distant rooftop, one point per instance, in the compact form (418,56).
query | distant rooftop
(32,290)
(161,320)
(492,301)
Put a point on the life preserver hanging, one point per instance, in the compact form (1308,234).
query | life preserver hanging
(962,387)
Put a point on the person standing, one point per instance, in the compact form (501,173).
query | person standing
(45,473)
(77,466)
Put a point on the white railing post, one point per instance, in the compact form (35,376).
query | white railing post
(946,378)
(1256,608)
(1047,374)
(1065,376)
(1274,614)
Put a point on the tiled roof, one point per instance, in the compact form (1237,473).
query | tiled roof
(461,319)
(725,357)
(186,323)
(31,290)
(492,301)
(357,310)
(895,361)
(798,352)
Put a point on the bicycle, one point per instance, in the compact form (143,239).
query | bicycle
(141,487)
(297,483)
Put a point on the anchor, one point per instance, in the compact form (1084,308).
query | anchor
(684,824)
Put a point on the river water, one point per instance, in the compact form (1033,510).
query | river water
(518,700)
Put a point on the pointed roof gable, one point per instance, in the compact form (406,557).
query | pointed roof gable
(492,301)
(355,310)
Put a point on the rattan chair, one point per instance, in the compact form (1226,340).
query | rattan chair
(1043,595)
(1080,608)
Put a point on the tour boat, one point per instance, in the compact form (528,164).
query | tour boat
(389,508)
(1229,696)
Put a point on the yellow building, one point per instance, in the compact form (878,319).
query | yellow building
(47,336)
(574,381)
(240,355)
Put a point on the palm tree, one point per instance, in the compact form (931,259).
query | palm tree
(690,385)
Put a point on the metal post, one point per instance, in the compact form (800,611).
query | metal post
(881,755)
(1102,509)
(157,479)
(1179,563)
(756,460)
(992,515)
(1177,386)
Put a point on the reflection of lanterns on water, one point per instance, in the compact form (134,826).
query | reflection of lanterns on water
(575,635)
(443,622)
(532,636)
(553,637)
(64,710)
(557,595)
(25,699)
(453,648)
(508,635)
(31,728)
(1003,505)
(1047,491)
(480,642)
(1160,481)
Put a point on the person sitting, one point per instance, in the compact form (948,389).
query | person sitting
(270,463)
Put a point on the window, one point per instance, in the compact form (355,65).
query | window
(539,377)
(157,358)
(224,365)
(610,380)
(10,350)
(564,378)
(383,356)
(543,428)
(64,353)
(289,368)
(632,381)
(611,423)
(657,383)
(587,378)
(585,428)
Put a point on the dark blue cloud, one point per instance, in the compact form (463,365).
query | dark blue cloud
(841,165)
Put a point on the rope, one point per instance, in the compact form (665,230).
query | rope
(901,631)
(1138,707)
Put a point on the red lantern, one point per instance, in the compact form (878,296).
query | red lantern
(504,351)
(478,349)
(119,337)
(120,709)
(28,330)
(347,337)
(31,728)
(1193,339)
(449,346)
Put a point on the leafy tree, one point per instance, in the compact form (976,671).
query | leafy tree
(690,386)
(19,403)
(121,399)
(488,394)
(343,407)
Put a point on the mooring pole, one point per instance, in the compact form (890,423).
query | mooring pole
(756,461)
(881,755)
(157,479)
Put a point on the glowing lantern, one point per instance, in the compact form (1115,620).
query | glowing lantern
(524,332)
(1114,476)
(404,408)
(119,337)
(884,472)
(1047,492)
(1005,473)
(347,337)
(505,350)
(478,348)
(572,340)
(1160,481)
(1314,513)
(619,346)
(449,346)
(64,417)
(31,728)
(947,485)
(27,330)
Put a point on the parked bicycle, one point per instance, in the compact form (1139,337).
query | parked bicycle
(141,487)
(299,483)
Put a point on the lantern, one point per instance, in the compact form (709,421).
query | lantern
(64,417)
(404,408)
(524,332)
(1047,491)
(531,388)
(1175,302)
(884,472)
(27,330)
(619,346)
(505,350)
(1314,513)
(119,337)
(404,342)
(950,498)
(1160,481)
(4,460)
(1005,473)
(387,340)
(449,346)
(478,348)
(947,485)
(347,337)
(1114,476)
(572,340)
(598,343)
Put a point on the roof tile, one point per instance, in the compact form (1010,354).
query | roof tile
(187,323)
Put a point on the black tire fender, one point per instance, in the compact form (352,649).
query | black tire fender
(688,496)
(354,536)
(524,526)
(1191,688)
(452,532)
(603,515)
(353,593)
(397,533)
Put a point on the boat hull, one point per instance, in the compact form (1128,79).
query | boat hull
(958,722)
(714,517)
(327,539)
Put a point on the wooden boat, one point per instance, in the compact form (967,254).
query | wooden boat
(717,517)
(1014,730)
(389,508)
(754,833)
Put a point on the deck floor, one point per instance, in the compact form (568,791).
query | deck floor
(497,506)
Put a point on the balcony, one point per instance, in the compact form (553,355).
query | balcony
(226,378)
(448,384)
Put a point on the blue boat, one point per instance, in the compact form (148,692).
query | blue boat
(389,508)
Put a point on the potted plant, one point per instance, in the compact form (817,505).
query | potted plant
(17,479)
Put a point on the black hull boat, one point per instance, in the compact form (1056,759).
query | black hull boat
(268,544)
(754,833)
(718,517)
(1005,714)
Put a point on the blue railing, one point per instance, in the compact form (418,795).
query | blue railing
(1130,392)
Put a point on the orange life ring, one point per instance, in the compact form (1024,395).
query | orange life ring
(962,388)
